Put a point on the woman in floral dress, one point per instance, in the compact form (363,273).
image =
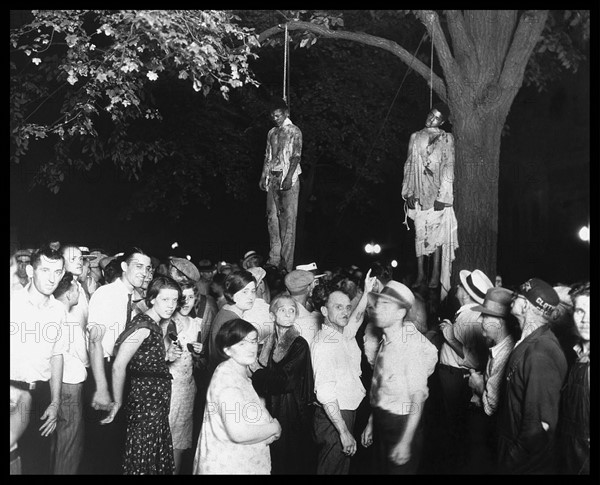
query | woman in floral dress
(237,428)
(140,353)
(183,388)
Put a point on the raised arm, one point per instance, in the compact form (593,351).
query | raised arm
(357,315)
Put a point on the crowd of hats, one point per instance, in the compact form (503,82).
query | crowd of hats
(491,300)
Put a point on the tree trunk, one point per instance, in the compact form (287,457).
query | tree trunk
(476,176)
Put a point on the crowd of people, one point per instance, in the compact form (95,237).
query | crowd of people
(130,364)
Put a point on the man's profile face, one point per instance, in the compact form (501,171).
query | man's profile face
(491,327)
(73,260)
(278,116)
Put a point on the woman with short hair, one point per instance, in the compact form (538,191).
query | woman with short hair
(237,428)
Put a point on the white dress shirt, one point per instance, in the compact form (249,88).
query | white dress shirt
(37,333)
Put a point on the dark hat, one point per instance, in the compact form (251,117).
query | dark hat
(182,268)
(394,291)
(206,265)
(298,280)
(540,294)
(476,283)
(497,302)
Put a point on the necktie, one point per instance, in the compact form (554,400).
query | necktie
(129,309)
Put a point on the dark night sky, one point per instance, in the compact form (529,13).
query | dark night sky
(549,134)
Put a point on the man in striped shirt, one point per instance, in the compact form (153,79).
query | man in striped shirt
(496,330)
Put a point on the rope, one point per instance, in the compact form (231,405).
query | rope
(285,65)
(358,176)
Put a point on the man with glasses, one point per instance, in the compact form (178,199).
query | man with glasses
(535,372)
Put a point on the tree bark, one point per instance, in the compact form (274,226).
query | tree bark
(476,175)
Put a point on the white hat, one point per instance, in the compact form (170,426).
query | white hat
(395,291)
(476,283)
(258,273)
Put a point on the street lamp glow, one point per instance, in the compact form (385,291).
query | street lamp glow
(584,233)
(377,249)
(175,245)
(394,263)
(369,248)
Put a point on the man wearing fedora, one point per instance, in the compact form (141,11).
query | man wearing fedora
(463,350)
(499,337)
(404,362)
(535,372)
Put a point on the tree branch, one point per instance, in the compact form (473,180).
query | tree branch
(462,41)
(362,38)
(526,37)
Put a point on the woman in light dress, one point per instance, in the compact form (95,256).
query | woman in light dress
(183,387)
(237,428)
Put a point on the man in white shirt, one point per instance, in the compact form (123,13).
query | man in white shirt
(110,310)
(464,349)
(38,341)
(336,360)
(404,362)
(68,446)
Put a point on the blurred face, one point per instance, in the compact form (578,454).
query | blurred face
(165,302)
(491,329)
(434,119)
(47,274)
(244,299)
(13,271)
(285,314)
(581,315)
(189,299)
(387,312)
(245,351)
(206,275)
(73,260)
(337,309)
(138,268)
(22,263)
(278,116)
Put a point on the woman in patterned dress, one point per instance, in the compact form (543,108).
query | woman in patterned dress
(140,353)
(183,388)
(237,428)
